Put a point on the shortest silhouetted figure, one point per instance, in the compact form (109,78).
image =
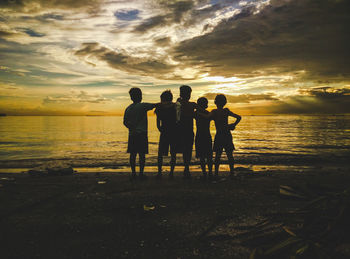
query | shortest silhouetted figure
(135,119)
(223,137)
(203,141)
(166,124)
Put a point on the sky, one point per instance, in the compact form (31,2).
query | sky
(81,57)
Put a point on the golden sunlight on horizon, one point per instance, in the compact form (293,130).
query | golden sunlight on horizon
(82,58)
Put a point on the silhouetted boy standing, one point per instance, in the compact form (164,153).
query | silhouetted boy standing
(186,127)
(135,119)
(203,141)
(223,137)
(166,124)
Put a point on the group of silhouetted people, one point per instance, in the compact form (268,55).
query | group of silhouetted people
(175,124)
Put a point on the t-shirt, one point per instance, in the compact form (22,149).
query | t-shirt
(220,117)
(202,123)
(166,113)
(186,116)
(135,117)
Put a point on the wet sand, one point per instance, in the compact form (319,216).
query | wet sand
(105,215)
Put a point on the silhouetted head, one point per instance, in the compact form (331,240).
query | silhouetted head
(185,92)
(220,100)
(202,102)
(166,96)
(135,94)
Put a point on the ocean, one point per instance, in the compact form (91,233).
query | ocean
(101,141)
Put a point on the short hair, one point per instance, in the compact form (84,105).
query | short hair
(185,92)
(220,100)
(135,94)
(166,96)
(202,102)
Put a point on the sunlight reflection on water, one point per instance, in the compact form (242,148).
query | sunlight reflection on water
(91,141)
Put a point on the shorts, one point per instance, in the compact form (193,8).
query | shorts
(184,142)
(138,143)
(223,140)
(204,146)
(166,141)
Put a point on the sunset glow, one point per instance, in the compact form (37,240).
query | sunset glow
(81,57)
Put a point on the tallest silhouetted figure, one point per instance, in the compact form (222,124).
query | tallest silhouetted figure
(185,123)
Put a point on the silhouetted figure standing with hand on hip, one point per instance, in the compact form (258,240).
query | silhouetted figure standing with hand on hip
(135,119)
(223,137)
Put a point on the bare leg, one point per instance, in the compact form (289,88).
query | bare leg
(210,164)
(142,159)
(133,163)
(172,164)
(202,161)
(160,163)
(217,161)
(230,161)
(187,159)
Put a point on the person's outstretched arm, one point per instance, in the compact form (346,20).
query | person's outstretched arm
(150,106)
(200,113)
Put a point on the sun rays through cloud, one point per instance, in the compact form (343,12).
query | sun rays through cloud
(267,56)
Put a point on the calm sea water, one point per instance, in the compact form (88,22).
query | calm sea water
(101,141)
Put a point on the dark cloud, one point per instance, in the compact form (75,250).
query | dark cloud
(173,13)
(203,13)
(284,36)
(47,17)
(51,16)
(163,41)
(244,98)
(317,100)
(151,23)
(324,100)
(179,8)
(326,92)
(124,62)
(5,34)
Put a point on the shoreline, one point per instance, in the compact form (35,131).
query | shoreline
(241,159)
(195,168)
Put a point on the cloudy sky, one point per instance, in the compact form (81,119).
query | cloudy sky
(82,56)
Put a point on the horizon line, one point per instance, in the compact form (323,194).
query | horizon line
(115,115)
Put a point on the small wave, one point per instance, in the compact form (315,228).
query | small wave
(326,146)
(259,148)
(251,139)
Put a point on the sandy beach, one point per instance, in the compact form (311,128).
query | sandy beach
(105,215)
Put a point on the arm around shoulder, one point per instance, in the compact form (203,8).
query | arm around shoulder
(149,106)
